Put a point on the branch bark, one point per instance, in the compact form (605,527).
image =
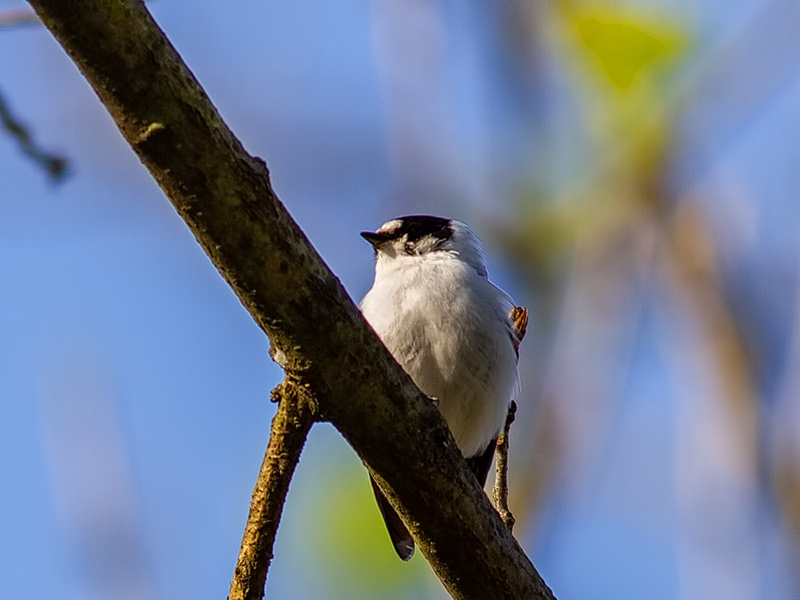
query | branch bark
(316,332)
(290,428)
(500,488)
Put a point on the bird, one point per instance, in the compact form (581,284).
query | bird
(453,331)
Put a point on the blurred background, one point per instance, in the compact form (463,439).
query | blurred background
(632,168)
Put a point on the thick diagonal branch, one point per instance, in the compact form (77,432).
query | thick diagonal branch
(290,428)
(316,332)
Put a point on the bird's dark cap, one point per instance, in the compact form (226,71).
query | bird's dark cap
(413,226)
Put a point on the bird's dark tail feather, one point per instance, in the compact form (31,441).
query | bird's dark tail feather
(481,463)
(401,538)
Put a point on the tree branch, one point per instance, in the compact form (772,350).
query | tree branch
(519,318)
(290,428)
(54,165)
(316,332)
(500,489)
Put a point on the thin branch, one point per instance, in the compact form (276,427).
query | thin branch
(519,319)
(500,489)
(54,165)
(316,332)
(290,428)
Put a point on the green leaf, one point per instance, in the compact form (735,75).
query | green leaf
(625,48)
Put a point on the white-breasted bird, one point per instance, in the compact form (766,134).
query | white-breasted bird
(451,330)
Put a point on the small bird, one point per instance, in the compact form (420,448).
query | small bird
(451,330)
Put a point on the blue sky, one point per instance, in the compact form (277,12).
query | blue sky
(134,387)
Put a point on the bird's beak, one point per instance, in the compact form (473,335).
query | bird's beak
(376,239)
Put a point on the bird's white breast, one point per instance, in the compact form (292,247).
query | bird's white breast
(448,327)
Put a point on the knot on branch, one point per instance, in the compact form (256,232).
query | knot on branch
(148,132)
(295,391)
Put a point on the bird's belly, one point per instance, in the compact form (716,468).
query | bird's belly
(472,389)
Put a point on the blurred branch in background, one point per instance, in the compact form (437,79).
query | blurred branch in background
(785,452)
(717,452)
(18,16)
(93,487)
(623,202)
(54,165)
(635,110)
(587,239)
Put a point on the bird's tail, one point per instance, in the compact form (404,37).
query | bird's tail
(401,538)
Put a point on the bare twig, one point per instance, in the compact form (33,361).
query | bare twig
(290,427)
(500,489)
(519,318)
(54,165)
